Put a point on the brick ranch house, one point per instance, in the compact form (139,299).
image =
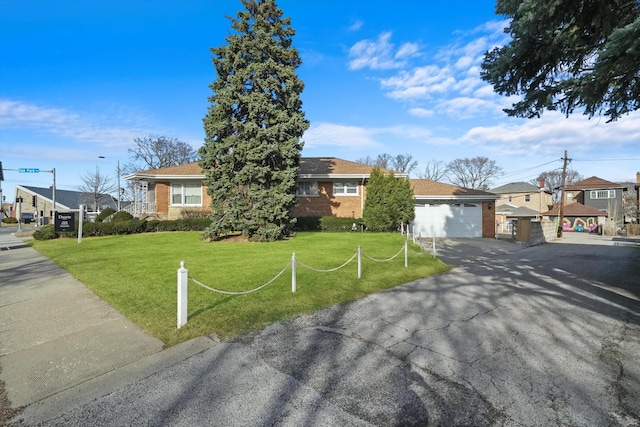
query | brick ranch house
(330,186)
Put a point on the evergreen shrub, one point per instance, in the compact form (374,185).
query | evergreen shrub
(330,223)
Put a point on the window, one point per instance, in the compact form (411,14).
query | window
(603,194)
(307,188)
(510,199)
(570,197)
(183,194)
(527,198)
(345,189)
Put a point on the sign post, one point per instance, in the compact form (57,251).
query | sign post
(81,217)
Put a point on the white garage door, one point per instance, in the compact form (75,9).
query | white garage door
(448,220)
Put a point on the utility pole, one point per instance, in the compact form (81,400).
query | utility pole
(561,210)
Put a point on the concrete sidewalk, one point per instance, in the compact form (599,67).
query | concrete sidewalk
(56,334)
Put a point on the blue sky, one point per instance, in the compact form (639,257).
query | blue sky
(82,79)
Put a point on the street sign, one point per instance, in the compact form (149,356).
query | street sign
(29,170)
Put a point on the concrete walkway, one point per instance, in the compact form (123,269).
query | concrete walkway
(56,334)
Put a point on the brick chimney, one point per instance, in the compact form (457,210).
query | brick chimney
(638,177)
(542,183)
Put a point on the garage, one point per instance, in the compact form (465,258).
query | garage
(448,220)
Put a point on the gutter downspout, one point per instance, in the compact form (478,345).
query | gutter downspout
(362,198)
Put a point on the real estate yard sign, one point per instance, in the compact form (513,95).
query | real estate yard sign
(65,221)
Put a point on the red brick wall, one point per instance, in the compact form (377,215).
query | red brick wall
(163,192)
(326,204)
(488,220)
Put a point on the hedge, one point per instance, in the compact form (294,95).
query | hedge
(119,227)
(330,223)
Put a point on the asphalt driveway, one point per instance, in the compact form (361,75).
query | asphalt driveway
(541,336)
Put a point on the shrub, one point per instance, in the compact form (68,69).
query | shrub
(189,213)
(184,224)
(330,223)
(45,233)
(121,216)
(307,223)
(633,229)
(105,214)
(10,220)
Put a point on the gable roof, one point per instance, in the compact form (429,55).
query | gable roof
(575,209)
(66,198)
(333,166)
(519,211)
(190,170)
(516,187)
(593,183)
(428,189)
(310,167)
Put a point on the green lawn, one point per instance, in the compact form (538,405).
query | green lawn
(137,274)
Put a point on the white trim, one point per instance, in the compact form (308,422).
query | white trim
(346,185)
(182,194)
(143,176)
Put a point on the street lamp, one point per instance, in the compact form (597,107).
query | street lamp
(119,194)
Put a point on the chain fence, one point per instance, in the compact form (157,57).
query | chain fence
(184,278)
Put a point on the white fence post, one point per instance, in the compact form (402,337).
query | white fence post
(183,278)
(406,254)
(433,246)
(359,262)
(293,273)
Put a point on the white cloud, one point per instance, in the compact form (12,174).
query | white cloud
(466,107)
(553,133)
(421,82)
(329,134)
(448,83)
(379,54)
(113,128)
(421,112)
(407,50)
(356,26)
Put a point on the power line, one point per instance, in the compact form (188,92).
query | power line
(518,172)
(606,160)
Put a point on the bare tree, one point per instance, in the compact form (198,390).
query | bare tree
(476,173)
(404,163)
(383,161)
(155,152)
(435,170)
(369,161)
(96,188)
(629,201)
(553,181)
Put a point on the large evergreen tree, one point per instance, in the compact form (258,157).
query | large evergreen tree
(254,126)
(568,54)
(389,202)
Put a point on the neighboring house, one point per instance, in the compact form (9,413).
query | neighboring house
(330,186)
(507,215)
(43,199)
(599,194)
(517,195)
(445,210)
(578,217)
